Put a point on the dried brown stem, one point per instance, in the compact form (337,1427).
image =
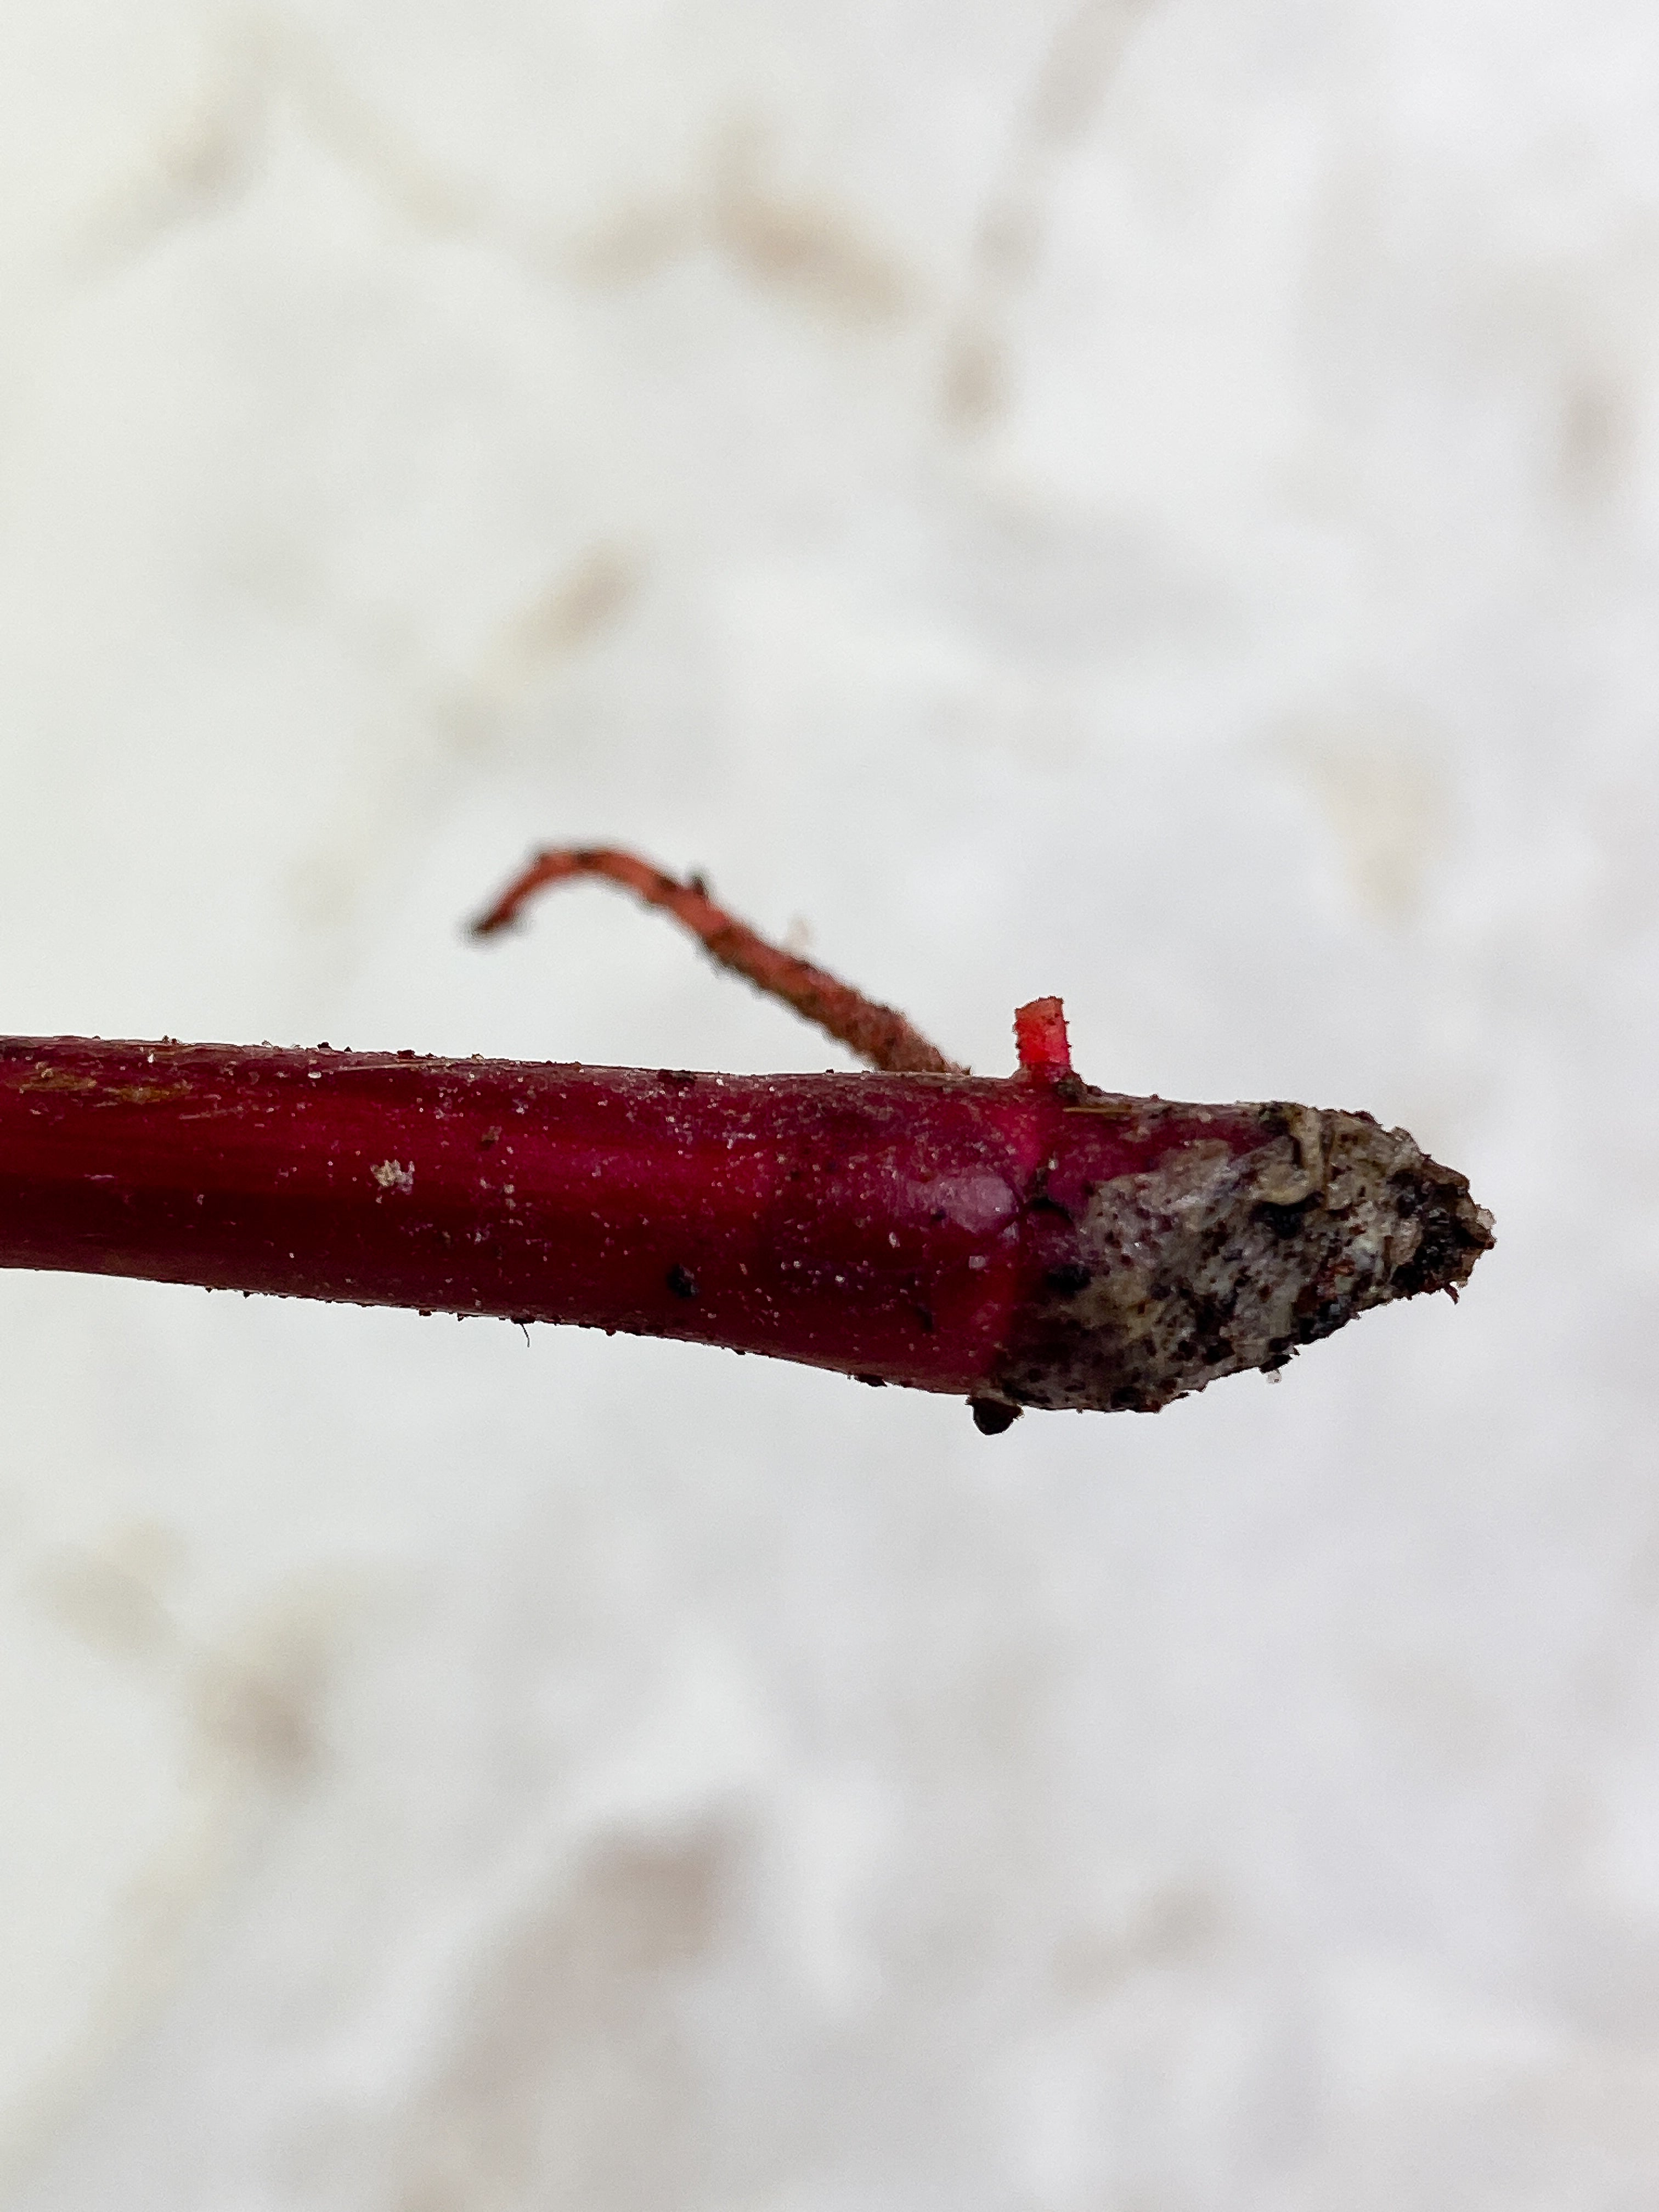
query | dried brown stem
(878,1034)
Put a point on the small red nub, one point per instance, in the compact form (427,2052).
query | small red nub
(1040,1035)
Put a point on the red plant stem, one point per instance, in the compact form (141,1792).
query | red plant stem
(876,1033)
(1027,1242)
(1015,1242)
(860,1222)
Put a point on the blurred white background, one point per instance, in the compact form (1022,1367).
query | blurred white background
(1157,500)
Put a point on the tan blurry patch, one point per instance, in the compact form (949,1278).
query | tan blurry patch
(1174,1925)
(974,386)
(1597,427)
(569,2033)
(1384,801)
(800,244)
(213,148)
(257,1702)
(406,779)
(114,1597)
(254,1700)
(573,609)
(249,1709)
(784,240)
(205,154)
(977,371)
(633,244)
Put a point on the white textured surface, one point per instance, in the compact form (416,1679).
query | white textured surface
(1154,501)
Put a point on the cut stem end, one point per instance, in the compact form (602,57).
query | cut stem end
(1044,1048)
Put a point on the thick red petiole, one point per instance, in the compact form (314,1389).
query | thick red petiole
(1023,1242)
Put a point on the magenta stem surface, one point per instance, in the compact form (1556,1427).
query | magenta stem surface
(892,1227)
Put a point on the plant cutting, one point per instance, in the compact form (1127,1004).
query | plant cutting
(1026,1241)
